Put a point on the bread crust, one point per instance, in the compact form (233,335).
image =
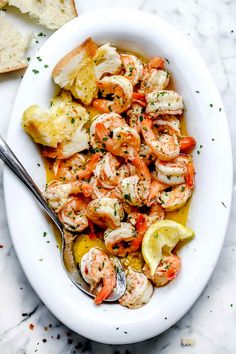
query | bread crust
(14,68)
(73,4)
(88,45)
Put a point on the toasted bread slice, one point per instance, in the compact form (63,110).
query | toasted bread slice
(13,46)
(75,72)
(50,13)
(57,124)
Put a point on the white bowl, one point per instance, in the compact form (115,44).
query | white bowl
(209,211)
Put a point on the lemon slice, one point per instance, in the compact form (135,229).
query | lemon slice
(165,233)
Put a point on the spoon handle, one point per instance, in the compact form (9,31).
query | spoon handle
(9,158)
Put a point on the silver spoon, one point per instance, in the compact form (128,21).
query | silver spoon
(9,158)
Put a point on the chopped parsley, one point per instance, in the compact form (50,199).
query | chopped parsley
(35,71)
(127,197)
(28,59)
(211,105)
(39,58)
(72,120)
(46,66)
(197,91)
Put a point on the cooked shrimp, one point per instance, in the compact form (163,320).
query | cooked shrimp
(166,271)
(177,171)
(155,189)
(135,189)
(139,98)
(105,212)
(154,77)
(144,178)
(135,114)
(73,215)
(138,291)
(98,271)
(108,172)
(117,240)
(129,189)
(187,143)
(175,198)
(147,154)
(98,191)
(156,213)
(126,239)
(165,147)
(110,121)
(121,90)
(74,168)
(133,68)
(164,102)
(57,193)
(125,141)
(168,124)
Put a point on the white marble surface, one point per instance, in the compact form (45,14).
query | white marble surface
(210,25)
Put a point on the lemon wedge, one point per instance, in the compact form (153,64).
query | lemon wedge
(165,233)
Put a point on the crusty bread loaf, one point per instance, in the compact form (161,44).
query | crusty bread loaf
(50,13)
(3,3)
(13,46)
(76,72)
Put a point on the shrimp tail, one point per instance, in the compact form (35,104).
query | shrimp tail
(102,105)
(141,227)
(187,143)
(189,178)
(108,285)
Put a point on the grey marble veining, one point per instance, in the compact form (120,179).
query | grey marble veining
(210,25)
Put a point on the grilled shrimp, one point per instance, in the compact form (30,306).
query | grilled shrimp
(138,291)
(110,121)
(175,198)
(105,212)
(73,215)
(57,193)
(125,141)
(133,68)
(177,171)
(164,102)
(166,271)
(74,168)
(126,239)
(121,90)
(165,147)
(98,271)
